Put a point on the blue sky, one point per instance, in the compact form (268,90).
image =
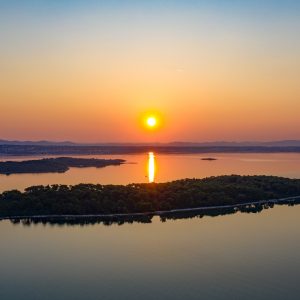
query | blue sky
(169,4)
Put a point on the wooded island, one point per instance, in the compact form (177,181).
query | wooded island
(85,199)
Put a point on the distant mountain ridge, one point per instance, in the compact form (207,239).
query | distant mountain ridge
(280,143)
(37,143)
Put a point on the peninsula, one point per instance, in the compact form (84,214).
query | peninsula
(54,165)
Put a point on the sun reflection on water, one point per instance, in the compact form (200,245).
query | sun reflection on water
(151,167)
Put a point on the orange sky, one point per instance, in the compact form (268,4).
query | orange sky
(88,75)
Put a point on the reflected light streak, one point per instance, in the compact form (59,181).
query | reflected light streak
(151,167)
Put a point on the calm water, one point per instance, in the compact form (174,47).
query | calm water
(241,256)
(144,168)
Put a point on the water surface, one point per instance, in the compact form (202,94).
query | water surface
(161,168)
(241,256)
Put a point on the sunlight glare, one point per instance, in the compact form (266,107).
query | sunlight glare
(151,167)
(151,121)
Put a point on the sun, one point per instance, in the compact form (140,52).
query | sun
(151,122)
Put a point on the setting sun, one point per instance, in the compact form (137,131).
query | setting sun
(151,121)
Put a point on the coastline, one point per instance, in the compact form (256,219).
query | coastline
(289,200)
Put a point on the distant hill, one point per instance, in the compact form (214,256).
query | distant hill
(281,143)
(36,143)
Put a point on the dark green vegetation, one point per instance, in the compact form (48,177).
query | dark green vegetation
(89,199)
(147,217)
(54,165)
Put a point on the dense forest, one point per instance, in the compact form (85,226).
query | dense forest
(86,199)
(54,165)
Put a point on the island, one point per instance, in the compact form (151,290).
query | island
(216,194)
(208,158)
(54,165)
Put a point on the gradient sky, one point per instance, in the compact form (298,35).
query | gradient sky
(88,70)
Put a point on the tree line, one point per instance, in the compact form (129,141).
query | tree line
(84,199)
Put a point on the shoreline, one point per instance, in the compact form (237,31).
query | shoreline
(154,213)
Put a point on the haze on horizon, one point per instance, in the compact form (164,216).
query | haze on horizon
(87,71)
